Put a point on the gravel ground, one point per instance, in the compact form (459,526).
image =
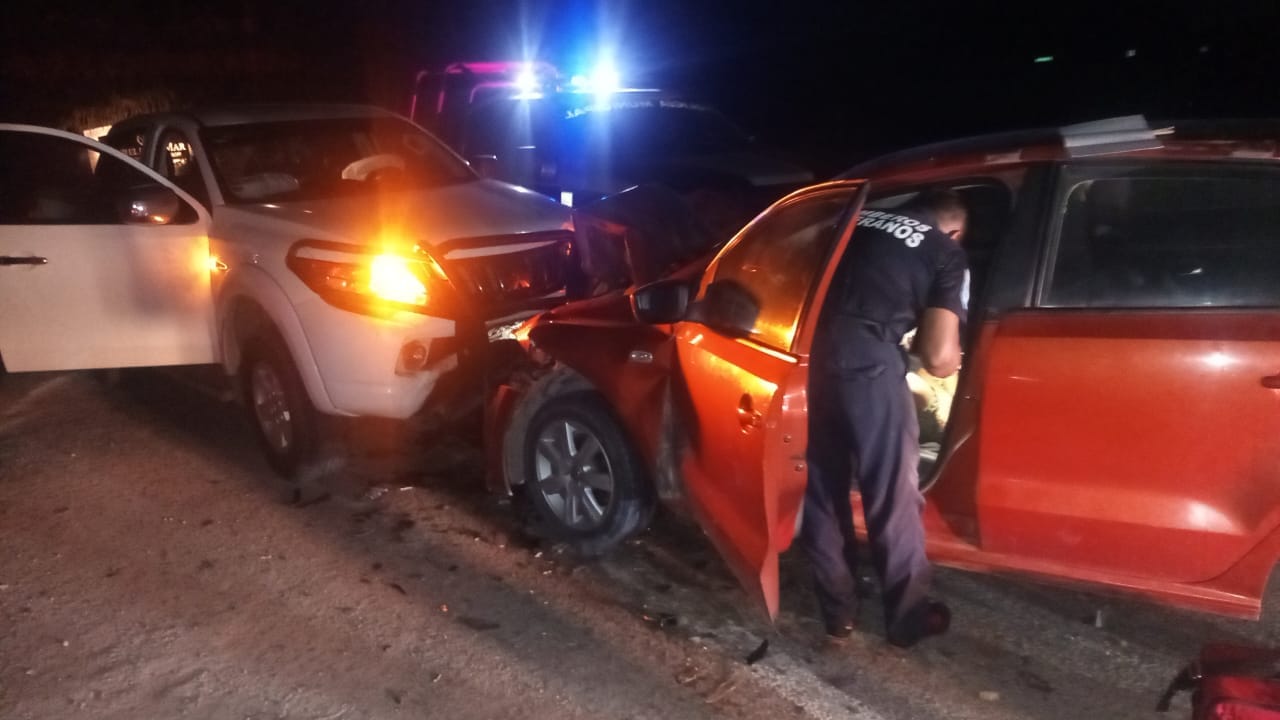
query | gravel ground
(154,568)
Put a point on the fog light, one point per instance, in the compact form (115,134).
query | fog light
(413,358)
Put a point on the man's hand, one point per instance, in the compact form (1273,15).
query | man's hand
(937,342)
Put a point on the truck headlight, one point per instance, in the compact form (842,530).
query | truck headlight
(358,278)
(393,278)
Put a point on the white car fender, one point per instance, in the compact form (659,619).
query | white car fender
(254,285)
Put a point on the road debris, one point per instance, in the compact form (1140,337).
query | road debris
(721,691)
(398,588)
(989,695)
(662,620)
(758,654)
(689,673)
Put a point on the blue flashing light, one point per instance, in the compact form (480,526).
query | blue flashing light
(527,80)
(605,79)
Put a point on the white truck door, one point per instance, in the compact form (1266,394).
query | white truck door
(103,263)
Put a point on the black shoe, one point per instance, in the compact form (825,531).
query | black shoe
(841,631)
(927,619)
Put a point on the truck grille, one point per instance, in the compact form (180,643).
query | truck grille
(508,280)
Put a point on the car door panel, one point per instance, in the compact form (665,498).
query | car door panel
(743,459)
(107,294)
(737,401)
(1135,443)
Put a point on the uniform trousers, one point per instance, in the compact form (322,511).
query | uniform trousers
(863,433)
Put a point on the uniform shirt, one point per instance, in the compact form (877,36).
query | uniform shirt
(897,265)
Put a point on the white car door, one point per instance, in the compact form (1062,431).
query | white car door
(99,266)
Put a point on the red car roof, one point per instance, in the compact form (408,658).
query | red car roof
(1184,140)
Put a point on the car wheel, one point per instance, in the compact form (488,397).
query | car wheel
(582,481)
(279,409)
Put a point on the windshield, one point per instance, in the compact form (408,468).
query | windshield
(317,159)
(623,127)
(644,128)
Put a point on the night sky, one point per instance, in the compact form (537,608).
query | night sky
(832,81)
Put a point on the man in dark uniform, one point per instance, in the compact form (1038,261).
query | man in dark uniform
(904,269)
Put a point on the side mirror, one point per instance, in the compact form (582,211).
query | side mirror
(486,165)
(665,301)
(728,308)
(148,205)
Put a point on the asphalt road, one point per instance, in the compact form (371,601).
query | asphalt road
(153,567)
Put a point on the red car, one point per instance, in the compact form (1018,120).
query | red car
(1117,416)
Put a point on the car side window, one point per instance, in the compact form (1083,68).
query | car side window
(51,180)
(774,263)
(1167,238)
(176,160)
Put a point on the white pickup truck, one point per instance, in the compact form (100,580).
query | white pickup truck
(333,260)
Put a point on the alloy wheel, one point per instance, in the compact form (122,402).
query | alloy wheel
(271,407)
(573,474)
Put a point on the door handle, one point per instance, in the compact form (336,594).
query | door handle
(27,260)
(748,418)
(1271,381)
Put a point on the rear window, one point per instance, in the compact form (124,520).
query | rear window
(1182,237)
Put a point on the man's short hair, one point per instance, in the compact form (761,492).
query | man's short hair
(942,205)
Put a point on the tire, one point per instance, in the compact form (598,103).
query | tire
(581,481)
(285,422)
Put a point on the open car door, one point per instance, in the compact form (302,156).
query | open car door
(743,357)
(103,263)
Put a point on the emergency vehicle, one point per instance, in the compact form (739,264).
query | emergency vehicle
(580,138)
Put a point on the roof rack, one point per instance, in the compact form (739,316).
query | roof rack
(1113,135)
